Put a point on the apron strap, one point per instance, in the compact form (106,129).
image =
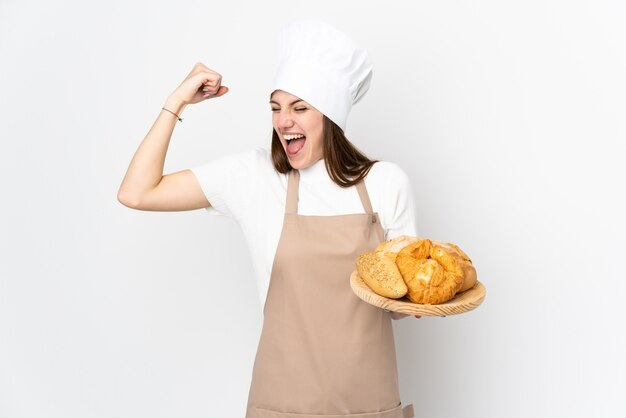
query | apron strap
(293,181)
(365,198)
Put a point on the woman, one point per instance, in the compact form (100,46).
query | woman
(322,350)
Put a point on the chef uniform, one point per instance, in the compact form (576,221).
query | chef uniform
(323,352)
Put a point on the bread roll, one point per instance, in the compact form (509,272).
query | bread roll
(469,272)
(469,277)
(381,274)
(393,246)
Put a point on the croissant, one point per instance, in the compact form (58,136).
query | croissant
(434,272)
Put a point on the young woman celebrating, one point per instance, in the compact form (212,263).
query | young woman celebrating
(308,206)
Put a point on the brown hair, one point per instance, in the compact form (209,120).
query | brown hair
(345,164)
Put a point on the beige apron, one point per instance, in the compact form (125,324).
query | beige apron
(323,352)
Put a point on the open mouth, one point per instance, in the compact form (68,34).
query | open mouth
(294,145)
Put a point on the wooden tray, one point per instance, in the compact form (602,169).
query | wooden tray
(461,303)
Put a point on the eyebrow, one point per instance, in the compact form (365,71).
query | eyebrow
(290,104)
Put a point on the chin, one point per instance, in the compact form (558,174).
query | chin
(299,162)
(302,162)
(299,165)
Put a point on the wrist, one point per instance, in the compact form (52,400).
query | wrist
(175,105)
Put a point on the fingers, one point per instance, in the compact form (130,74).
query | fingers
(202,76)
(209,80)
(202,83)
(220,92)
(211,84)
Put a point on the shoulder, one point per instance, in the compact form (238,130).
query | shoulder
(391,194)
(388,168)
(388,176)
(255,160)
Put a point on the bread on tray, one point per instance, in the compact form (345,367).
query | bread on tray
(426,271)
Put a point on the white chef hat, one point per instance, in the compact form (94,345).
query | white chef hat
(322,66)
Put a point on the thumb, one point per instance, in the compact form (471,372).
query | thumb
(222,91)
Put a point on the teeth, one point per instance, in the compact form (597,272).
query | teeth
(296,136)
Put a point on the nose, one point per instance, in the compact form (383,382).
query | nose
(284,119)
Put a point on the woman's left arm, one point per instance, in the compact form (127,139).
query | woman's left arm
(398,207)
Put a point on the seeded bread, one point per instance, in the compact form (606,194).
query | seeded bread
(381,274)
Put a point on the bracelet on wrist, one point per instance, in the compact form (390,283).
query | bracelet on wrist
(177,117)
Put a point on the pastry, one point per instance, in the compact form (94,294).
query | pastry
(433,272)
(381,274)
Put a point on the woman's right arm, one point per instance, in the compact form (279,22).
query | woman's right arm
(144,186)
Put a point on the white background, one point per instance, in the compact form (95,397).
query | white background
(509,118)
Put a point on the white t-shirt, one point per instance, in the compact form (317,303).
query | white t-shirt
(247,188)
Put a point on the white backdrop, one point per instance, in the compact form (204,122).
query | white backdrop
(509,118)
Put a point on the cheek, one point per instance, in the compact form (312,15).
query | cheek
(318,142)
